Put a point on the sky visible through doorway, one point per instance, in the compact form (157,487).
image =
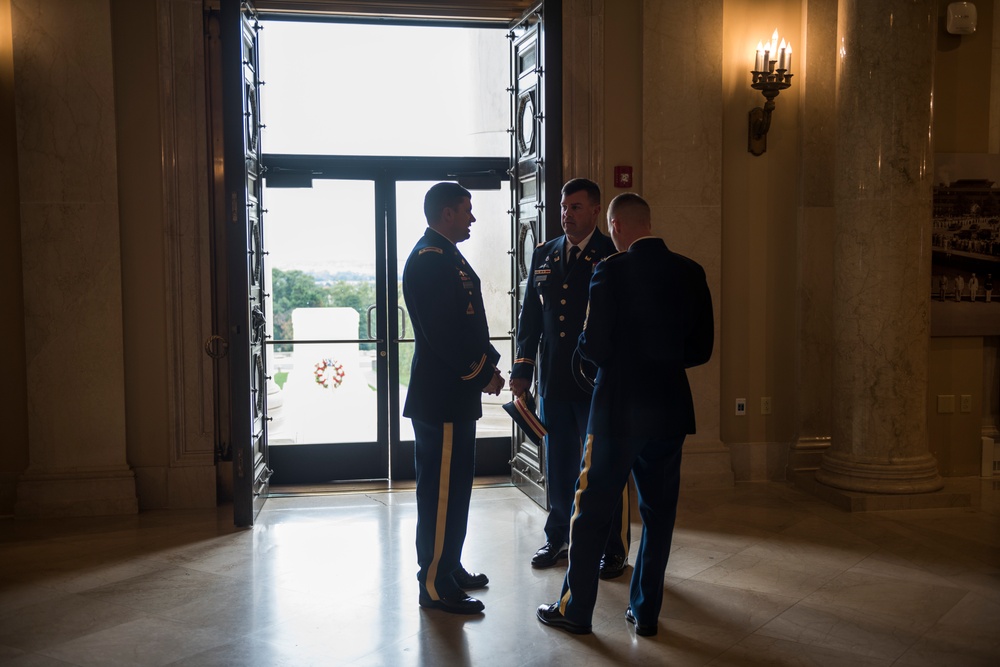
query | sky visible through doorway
(356,89)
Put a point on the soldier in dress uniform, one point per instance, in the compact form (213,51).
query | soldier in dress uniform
(454,363)
(650,319)
(555,303)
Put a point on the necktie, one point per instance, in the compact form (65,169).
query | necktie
(573,253)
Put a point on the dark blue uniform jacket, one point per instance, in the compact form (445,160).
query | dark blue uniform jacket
(650,319)
(555,304)
(453,359)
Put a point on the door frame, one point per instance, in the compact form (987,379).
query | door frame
(228,440)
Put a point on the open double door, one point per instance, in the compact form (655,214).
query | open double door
(367,439)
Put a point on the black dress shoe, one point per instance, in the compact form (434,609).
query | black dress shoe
(549,615)
(548,555)
(468,581)
(460,604)
(613,566)
(642,630)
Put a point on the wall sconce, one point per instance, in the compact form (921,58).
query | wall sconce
(771,74)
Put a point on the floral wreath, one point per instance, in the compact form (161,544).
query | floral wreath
(329,373)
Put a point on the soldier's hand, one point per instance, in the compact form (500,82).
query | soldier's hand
(496,384)
(519,385)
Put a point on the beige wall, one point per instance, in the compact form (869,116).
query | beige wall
(776,211)
(956,369)
(71,260)
(602,92)
(759,209)
(164,184)
(167,429)
(622,95)
(962,85)
(680,124)
(140,204)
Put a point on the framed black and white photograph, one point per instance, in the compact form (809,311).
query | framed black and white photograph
(965,245)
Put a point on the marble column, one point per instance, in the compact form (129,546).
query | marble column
(66,141)
(881,249)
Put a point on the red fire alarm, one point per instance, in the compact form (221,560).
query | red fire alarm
(623,177)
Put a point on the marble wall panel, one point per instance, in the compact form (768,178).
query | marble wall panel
(66,136)
(817,97)
(682,111)
(187,227)
(583,98)
(695,231)
(814,233)
(682,103)
(69,218)
(815,321)
(65,100)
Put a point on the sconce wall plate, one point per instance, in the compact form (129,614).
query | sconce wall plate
(756,141)
(769,84)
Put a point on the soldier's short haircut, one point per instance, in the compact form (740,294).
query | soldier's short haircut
(442,196)
(629,204)
(585,184)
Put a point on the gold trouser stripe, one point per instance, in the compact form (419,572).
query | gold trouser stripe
(442,510)
(475,371)
(584,473)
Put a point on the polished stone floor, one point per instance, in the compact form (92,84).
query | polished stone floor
(760,574)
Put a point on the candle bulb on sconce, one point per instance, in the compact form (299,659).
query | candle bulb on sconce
(769,81)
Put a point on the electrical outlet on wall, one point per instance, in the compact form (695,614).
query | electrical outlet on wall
(765,405)
(741,407)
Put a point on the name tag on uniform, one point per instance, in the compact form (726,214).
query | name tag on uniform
(542,275)
(466,281)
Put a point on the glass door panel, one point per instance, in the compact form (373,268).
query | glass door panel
(486,251)
(322,324)
(384,101)
(340,340)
